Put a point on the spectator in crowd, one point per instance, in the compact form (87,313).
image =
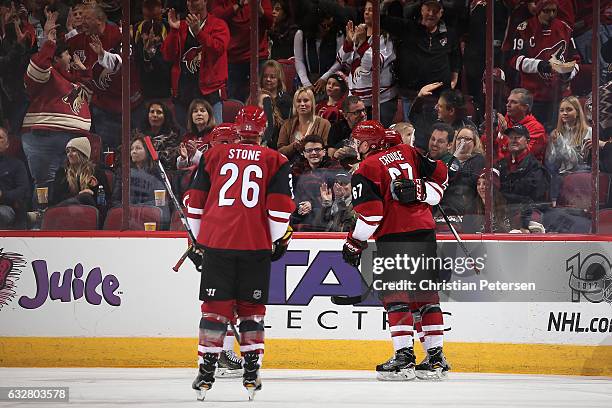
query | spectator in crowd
(315,48)
(583,33)
(273,116)
(536,41)
(429,51)
(237,15)
(460,196)
(524,181)
(99,48)
(80,181)
(310,172)
(14,187)
(74,20)
(282,32)
(423,113)
(566,150)
(474,56)
(335,89)
(272,80)
(59,108)
(17,40)
(501,222)
(353,112)
(196,141)
(159,125)
(357,53)
(304,122)
(452,110)
(148,38)
(442,136)
(518,112)
(337,214)
(406,130)
(144,176)
(197,48)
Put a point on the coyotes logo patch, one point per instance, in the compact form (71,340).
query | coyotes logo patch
(192,59)
(75,99)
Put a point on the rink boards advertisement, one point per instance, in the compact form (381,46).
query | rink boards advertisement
(120,295)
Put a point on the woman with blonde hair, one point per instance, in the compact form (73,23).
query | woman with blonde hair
(304,122)
(461,196)
(567,147)
(79,180)
(272,80)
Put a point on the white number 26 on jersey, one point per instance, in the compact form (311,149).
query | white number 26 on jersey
(250,189)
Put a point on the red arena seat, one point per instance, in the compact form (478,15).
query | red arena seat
(70,218)
(139,214)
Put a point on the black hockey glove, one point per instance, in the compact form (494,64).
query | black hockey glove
(279,247)
(196,255)
(352,249)
(408,191)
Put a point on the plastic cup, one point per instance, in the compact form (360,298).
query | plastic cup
(42,194)
(150,226)
(160,198)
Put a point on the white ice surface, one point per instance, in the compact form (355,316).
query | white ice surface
(133,387)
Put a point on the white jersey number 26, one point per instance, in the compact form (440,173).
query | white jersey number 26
(250,189)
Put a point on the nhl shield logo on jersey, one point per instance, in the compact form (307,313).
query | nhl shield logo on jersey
(257,294)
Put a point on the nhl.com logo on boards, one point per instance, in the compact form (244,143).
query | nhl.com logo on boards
(71,285)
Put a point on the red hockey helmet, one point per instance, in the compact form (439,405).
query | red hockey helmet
(392,138)
(250,122)
(223,133)
(370,131)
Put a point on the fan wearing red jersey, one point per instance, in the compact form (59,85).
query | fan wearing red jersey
(393,191)
(238,207)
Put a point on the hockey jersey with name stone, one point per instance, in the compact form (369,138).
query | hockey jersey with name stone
(241,197)
(372,197)
(534,42)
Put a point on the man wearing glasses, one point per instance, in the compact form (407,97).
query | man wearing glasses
(353,112)
(536,41)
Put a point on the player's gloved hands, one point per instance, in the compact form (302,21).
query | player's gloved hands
(544,68)
(408,191)
(352,249)
(196,255)
(279,247)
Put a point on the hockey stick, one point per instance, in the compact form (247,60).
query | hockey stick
(457,238)
(192,239)
(352,300)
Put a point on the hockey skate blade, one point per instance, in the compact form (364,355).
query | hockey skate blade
(201,393)
(227,373)
(436,374)
(406,374)
(251,390)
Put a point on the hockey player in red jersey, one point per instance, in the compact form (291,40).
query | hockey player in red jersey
(238,207)
(535,42)
(394,188)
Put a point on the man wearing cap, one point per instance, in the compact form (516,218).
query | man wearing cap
(524,181)
(535,42)
(518,112)
(14,187)
(429,51)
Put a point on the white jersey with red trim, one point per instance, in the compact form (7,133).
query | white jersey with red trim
(378,211)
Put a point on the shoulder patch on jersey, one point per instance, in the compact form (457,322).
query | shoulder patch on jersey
(522,26)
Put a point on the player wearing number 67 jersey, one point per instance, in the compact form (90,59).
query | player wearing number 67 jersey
(393,191)
(238,206)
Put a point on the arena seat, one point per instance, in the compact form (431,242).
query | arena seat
(139,214)
(230,109)
(605,221)
(575,190)
(70,218)
(175,223)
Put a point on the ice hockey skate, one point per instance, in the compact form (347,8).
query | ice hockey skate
(400,367)
(229,365)
(434,366)
(206,376)
(250,378)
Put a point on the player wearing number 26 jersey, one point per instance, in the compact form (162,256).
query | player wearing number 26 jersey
(238,207)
